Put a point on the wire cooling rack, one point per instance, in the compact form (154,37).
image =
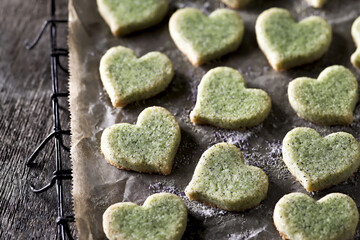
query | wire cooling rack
(60,174)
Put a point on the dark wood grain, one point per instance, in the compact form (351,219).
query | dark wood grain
(25,119)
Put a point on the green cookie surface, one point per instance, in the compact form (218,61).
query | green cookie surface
(329,100)
(149,146)
(126,16)
(316,3)
(299,217)
(286,43)
(222,179)
(236,3)
(355,32)
(224,101)
(163,216)
(318,163)
(128,79)
(203,38)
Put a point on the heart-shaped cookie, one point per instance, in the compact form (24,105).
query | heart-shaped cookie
(286,43)
(236,3)
(128,79)
(163,216)
(316,3)
(149,146)
(224,101)
(222,179)
(203,38)
(355,32)
(328,100)
(318,163)
(299,217)
(127,16)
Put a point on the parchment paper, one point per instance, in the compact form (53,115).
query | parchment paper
(96,184)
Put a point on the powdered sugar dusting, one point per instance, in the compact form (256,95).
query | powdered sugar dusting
(268,157)
(246,235)
(274,151)
(238,138)
(194,207)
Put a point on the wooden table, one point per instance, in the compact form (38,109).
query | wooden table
(26,118)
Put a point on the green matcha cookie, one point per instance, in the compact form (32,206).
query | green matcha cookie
(287,44)
(316,3)
(222,179)
(127,79)
(328,100)
(355,32)
(149,146)
(318,163)
(236,3)
(224,101)
(203,38)
(299,217)
(127,16)
(163,216)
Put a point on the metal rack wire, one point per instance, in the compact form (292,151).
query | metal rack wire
(60,174)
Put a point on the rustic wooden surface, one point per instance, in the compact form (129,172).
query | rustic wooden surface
(25,119)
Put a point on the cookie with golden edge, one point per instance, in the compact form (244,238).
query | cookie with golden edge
(224,101)
(328,100)
(299,217)
(287,43)
(127,16)
(127,78)
(202,38)
(355,32)
(163,216)
(236,3)
(319,163)
(222,179)
(149,146)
